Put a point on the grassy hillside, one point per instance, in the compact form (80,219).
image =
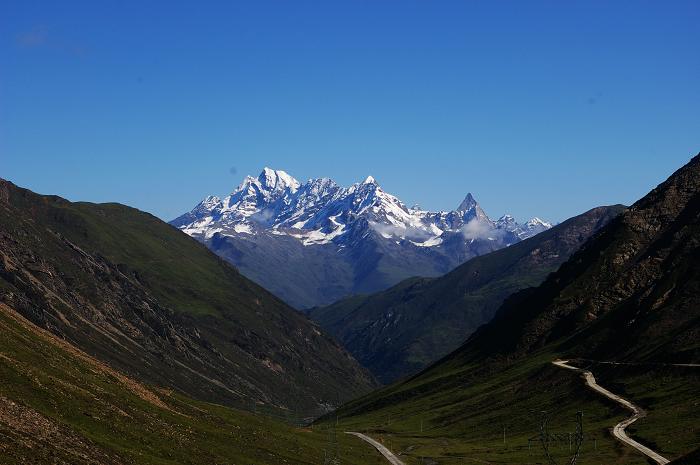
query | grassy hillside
(629,295)
(60,406)
(456,413)
(156,304)
(402,330)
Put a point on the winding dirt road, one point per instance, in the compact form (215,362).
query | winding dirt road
(394,460)
(619,429)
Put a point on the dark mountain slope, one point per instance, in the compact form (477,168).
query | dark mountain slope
(156,304)
(59,406)
(403,329)
(630,294)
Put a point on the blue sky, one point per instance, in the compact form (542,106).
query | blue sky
(538,108)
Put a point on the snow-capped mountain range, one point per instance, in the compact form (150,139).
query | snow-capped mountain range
(320,211)
(328,230)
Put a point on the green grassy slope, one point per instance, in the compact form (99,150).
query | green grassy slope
(155,303)
(60,406)
(456,413)
(402,330)
(630,294)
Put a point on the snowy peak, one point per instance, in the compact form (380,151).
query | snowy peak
(534,227)
(275,180)
(269,183)
(536,222)
(523,231)
(254,196)
(210,202)
(468,203)
(320,212)
(506,221)
(470,210)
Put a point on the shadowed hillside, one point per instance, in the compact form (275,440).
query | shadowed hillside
(630,294)
(155,304)
(400,331)
(60,406)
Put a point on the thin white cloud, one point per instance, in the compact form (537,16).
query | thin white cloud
(476,229)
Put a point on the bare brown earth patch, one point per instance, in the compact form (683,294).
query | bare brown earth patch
(26,435)
(136,388)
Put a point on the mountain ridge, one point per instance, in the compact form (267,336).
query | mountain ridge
(361,238)
(61,406)
(630,294)
(619,275)
(399,331)
(133,291)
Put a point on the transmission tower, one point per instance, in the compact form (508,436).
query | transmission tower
(574,439)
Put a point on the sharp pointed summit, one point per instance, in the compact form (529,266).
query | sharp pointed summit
(468,203)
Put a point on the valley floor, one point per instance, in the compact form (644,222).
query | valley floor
(497,419)
(60,406)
